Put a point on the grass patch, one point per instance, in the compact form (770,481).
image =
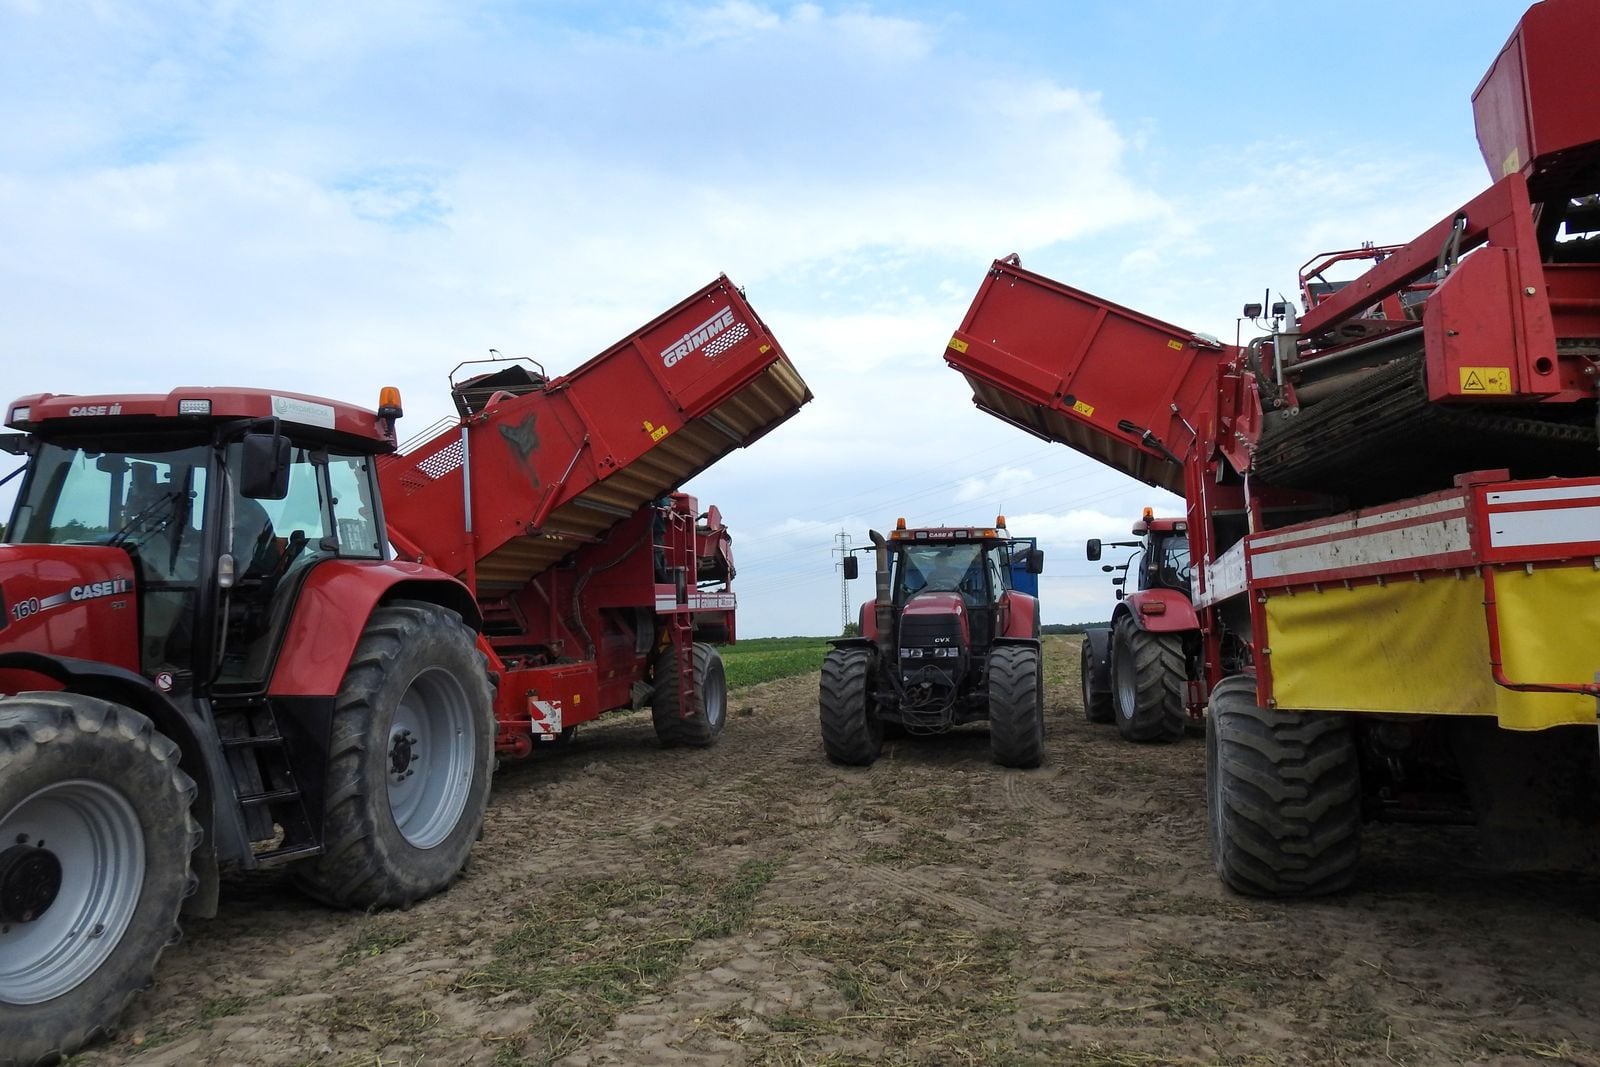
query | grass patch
(908,978)
(770,658)
(374,940)
(222,1007)
(589,951)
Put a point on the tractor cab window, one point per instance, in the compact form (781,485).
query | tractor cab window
(151,504)
(329,510)
(941,568)
(273,543)
(999,567)
(1171,560)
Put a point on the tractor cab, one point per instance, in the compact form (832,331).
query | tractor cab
(1160,559)
(171,533)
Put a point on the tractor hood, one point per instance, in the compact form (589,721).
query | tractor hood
(934,618)
(69,600)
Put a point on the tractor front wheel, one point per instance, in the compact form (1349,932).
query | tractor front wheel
(410,760)
(703,725)
(1283,796)
(1149,679)
(95,837)
(1016,706)
(1096,698)
(852,732)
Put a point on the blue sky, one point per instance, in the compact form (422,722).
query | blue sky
(334,197)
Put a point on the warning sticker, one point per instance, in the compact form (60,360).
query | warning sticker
(1083,409)
(958,344)
(1176,346)
(1485,380)
(656,432)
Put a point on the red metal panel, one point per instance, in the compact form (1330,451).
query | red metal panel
(331,611)
(1070,367)
(51,412)
(1539,520)
(76,600)
(1538,107)
(555,469)
(1162,611)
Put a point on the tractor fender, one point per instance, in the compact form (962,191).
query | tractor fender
(1021,614)
(1098,640)
(1160,611)
(200,754)
(335,601)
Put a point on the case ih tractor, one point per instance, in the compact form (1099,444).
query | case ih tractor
(1393,499)
(944,641)
(211,660)
(1142,672)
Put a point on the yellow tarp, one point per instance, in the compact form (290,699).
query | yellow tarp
(1423,647)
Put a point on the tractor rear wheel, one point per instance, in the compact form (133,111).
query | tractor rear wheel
(1096,700)
(1283,796)
(411,754)
(95,837)
(852,732)
(704,725)
(1016,706)
(1149,679)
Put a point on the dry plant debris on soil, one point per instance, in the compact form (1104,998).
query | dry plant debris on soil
(751,904)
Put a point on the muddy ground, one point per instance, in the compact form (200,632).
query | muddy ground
(752,904)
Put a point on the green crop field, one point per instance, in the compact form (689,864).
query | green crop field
(767,658)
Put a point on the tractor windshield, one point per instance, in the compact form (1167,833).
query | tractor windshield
(149,502)
(944,568)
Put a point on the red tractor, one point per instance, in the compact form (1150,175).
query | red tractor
(946,640)
(1143,671)
(239,631)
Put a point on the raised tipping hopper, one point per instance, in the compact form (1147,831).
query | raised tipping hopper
(552,465)
(1066,366)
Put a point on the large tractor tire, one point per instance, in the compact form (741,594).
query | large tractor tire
(1283,796)
(704,724)
(852,732)
(95,838)
(409,765)
(1148,683)
(1016,706)
(1096,698)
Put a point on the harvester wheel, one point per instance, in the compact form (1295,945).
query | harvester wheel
(95,837)
(1096,700)
(1283,795)
(704,725)
(411,753)
(852,732)
(1016,706)
(1149,680)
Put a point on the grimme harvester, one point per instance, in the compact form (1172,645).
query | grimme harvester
(1393,500)
(1143,671)
(945,640)
(212,662)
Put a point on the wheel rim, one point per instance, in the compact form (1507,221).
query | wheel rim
(94,833)
(714,697)
(1127,682)
(431,758)
(1087,665)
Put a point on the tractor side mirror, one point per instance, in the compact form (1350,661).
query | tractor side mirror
(1120,593)
(264,466)
(852,568)
(1119,581)
(1093,549)
(1036,561)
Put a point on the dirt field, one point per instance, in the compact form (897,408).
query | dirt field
(752,904)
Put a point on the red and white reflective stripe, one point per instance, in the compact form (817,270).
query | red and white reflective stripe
(1555,515)
(546,716)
